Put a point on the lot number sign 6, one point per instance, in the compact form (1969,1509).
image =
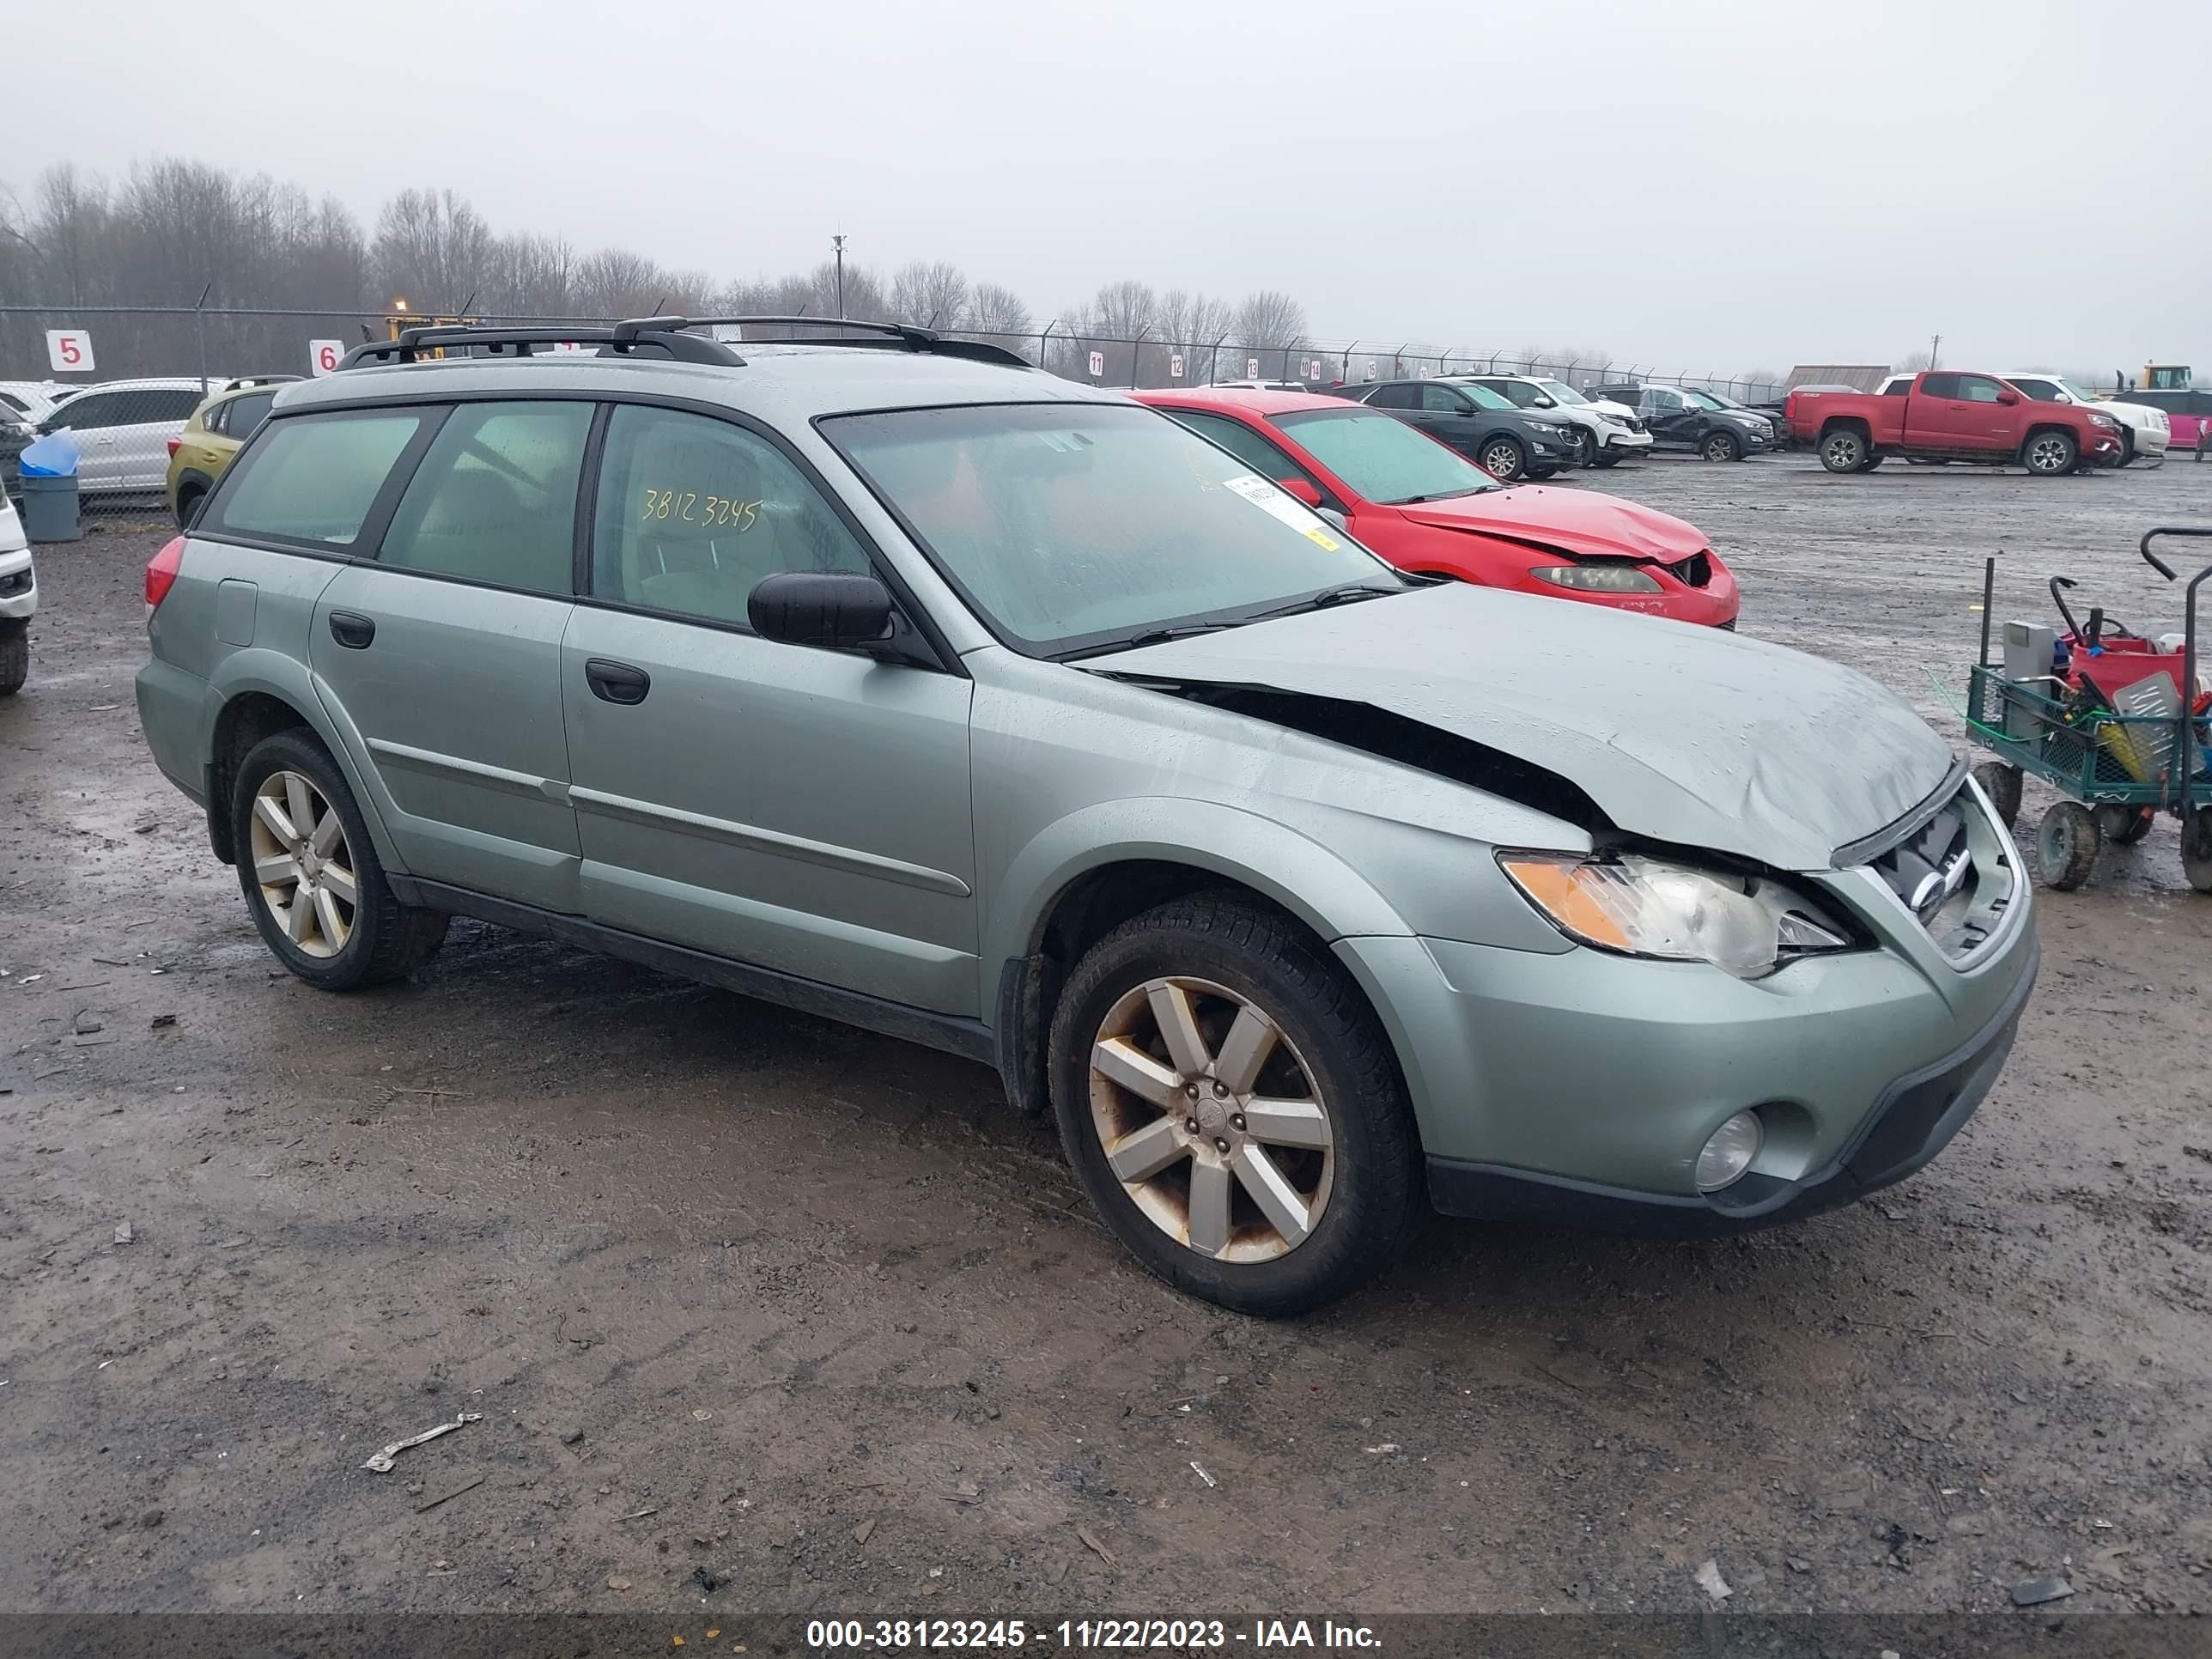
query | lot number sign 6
(70,351)
(324,355)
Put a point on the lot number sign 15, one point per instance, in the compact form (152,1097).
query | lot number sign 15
(325,355)
(70,351)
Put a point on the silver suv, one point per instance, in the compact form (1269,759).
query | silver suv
(890,679)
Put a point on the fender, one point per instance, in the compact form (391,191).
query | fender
(1295,872)
(274,674)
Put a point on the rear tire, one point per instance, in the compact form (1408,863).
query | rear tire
(297,875)
(1504,459)
(2197,848)
(2049,453)
(2000,781)
(14,654)
(1845,449)
(2066,844)
(188,503)
(1608,457)
(1340,1152)
(1720,447)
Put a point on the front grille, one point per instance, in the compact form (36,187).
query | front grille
(1634,424)
(1954,874)
(1696,571)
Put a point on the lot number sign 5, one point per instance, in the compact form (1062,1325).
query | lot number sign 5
(70,351)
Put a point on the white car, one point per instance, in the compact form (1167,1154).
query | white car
(2144,430)
(19,598)
(122,429)
(1609,433)
(28,402)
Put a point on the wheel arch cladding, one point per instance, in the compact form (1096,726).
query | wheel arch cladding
(1084,876)
(257,693)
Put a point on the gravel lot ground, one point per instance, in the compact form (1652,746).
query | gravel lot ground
(749,1298)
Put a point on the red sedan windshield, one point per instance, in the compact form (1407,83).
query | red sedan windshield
(1382,458)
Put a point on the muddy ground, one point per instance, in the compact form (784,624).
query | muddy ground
(747,1298)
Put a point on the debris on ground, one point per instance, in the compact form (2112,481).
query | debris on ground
(617,1582)
(707,1579)
(574,1438)
(123,1233)
(1091,1542)
(1709,1580)
(162,1022)
(862,1533)
(382,1463)
(447,1498)
(1210,1481)
(2033,1592)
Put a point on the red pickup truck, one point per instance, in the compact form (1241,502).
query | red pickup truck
(1948,415)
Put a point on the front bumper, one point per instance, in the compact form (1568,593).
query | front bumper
(1909,1122)
(1628,443)
(19,585)
(1578,1086)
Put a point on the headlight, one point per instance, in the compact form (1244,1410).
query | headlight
(1643,907)
(1597,578)
(2105,421)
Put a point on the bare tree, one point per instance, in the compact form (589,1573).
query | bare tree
(997,313)
(1193,325)
(933,295)
(432,249)
(1270,326)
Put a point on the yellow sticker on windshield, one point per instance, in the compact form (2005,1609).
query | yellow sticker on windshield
(1277,504)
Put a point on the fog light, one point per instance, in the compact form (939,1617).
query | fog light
(1729,1152)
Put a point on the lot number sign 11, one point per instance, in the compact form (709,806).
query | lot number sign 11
(1097,363)
(70,351)
(325,355)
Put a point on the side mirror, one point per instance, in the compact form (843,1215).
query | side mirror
(1303,489)
(2007,398)
(825,609)
(1544,400)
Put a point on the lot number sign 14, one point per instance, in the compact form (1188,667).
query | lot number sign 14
(325,355)
(70,351)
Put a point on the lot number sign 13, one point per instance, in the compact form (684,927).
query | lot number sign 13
(70,351)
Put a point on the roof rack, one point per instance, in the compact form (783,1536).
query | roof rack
(668,337)
(645,337)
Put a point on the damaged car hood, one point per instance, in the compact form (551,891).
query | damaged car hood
(1689,735)
(1572,521)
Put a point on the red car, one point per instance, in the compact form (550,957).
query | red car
(1427,508)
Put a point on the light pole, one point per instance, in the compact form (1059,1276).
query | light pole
(838,243)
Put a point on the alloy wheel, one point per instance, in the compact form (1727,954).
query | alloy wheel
(2047,454)
(1501,461)
(1211,1121)
(302,864)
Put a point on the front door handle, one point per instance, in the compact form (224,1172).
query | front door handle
(616,682)
(351,629)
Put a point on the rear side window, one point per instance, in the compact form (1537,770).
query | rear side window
(1396,397)
(241,416)
(495,500)
(1240,440)
(1939,386)
(693,513)
(312,478)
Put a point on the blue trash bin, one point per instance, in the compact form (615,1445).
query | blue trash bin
(49,508)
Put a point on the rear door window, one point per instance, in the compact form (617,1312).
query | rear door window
(1395,397)
(242,416)
(313,479)
(1939,386)
(1240,440)
(495,500)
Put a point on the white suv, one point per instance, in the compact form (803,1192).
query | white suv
(122,429)
(1607,434)
(2144,430)
(19,598)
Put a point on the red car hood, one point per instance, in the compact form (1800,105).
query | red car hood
(1572,521)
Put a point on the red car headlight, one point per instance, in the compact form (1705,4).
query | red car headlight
(1598,577)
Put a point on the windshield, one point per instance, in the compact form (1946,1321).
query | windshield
(2046,388)
(1382,458)
(1483,395)
(1562,392)
(1080,527)
(1709,399)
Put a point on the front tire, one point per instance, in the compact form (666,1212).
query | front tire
(14,654)
(311,875)
(1720,447)
(2051,454)
(1504,460)
(1230,1104)
(2066,844)
(1586,448)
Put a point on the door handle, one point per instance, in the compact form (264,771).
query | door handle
(351,629)
(616,682)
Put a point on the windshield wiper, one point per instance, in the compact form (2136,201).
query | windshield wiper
(1441,495)
(1150,636)
(1328,596)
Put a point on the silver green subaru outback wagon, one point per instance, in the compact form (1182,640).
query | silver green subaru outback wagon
(889,679)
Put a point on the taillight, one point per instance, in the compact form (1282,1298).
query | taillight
(161,571)
(175,444)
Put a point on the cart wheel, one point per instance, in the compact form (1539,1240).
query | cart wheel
(2124,826)
(2000,781)
(2066,845)
(2197,849)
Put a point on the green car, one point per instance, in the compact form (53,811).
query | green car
(890,679)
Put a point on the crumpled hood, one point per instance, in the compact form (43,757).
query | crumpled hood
(1690,735)
(1574,521)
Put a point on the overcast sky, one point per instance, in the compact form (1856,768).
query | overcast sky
(1715,186)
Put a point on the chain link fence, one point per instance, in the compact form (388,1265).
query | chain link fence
(126,378)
